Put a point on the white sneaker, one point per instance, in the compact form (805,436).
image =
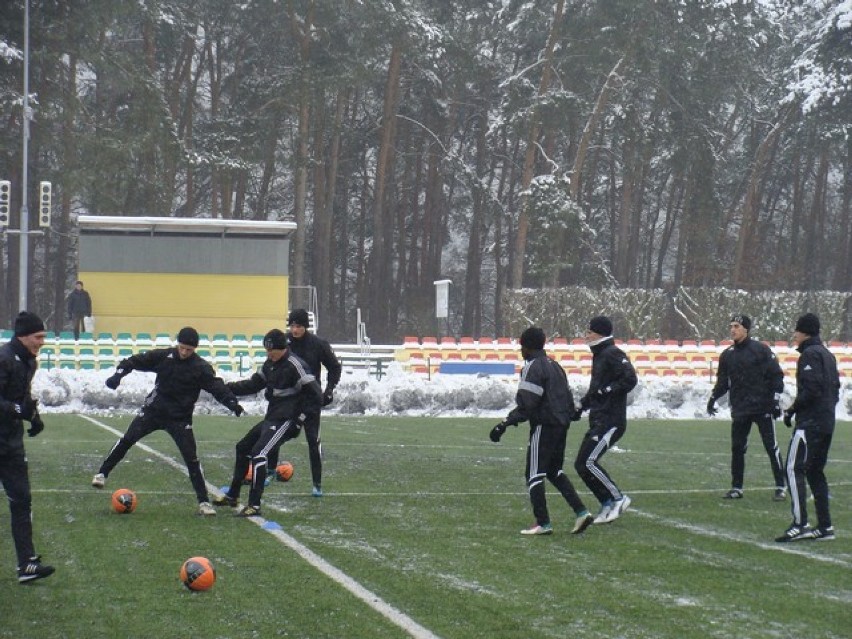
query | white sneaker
(99,480)
(604,515)
(538,529)
(205,509)
(582,522)
(618,507)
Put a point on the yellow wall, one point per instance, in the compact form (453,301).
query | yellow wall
(165,302)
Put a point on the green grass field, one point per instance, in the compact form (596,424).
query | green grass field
(421,519)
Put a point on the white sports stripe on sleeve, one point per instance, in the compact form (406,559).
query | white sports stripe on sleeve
(530,387)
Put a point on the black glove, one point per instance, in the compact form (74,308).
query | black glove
(788,418)
(235,408)
(584,403)
(115,380)
(711,406)
(328,396)
(36,426)
(776,410)
(497,432)
(26,409)
(577,415)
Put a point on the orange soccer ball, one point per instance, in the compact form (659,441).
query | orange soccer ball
(124,501)
(197,573)
(284,471)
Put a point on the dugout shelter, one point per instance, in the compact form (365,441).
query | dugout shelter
(157,274)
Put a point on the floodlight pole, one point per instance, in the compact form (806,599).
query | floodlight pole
(23,268)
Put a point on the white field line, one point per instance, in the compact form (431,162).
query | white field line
(375,602)
(791,548)
(443,493)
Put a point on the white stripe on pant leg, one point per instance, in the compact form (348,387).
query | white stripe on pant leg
(276,437)
(799,440)
(591,463)
(534,444)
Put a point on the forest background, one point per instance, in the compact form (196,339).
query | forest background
(568,145)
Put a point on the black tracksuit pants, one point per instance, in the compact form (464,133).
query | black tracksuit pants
(545,457)
(14,475)
(740,429)
(806,461)
(183,437)
(257,449)
(312,435)
(596,442)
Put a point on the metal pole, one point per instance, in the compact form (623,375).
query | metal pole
(25,212)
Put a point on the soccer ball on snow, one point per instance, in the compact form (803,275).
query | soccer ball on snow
(197,573)
(124,501)
(284,471)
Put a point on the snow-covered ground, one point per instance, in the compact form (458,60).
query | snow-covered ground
(398,393)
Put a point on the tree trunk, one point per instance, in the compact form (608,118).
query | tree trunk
(472,308)
(69,152)
(321,236)
(517,264)
(591,125)
(751,205)
(297,257)
(843,274)
(380,276)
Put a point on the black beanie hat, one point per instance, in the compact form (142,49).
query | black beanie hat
(743,320)
(275,339)
(808,324)
(188,336)
(27,323)
(298,316)
(533,339)
(601,325)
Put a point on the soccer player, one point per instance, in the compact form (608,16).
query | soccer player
(544,399)
(316,352)
(749,370)
(181,376)
(613,378)
(817,393)
(17,367)
(291,390)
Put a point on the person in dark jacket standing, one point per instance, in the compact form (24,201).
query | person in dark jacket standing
(79,307)
(181,376)
(749,370)
(317,353)
(817,393)
(17,367)
(613,377)
(545,400)
(292,391)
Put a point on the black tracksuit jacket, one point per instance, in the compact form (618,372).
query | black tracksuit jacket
(751,373)
(817,387)
(178,384)
(290,388)
(611,370)
(17,368)
(543,396)
(316,352)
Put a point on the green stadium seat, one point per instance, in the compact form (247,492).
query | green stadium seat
(124,339)
(162,340)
